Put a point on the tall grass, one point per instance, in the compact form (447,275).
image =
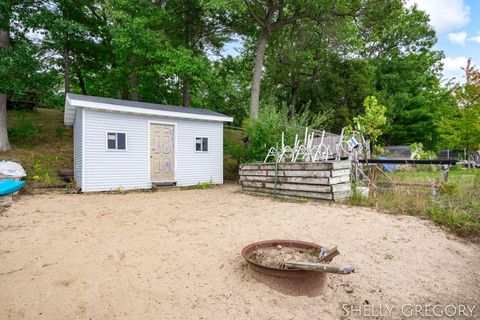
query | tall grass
(455,204)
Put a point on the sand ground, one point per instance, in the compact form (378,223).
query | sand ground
(176,255)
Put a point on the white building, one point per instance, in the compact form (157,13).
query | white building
(136,145)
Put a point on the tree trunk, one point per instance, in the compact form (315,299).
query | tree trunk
(186,91)
(133,79)
(257,73)
(313,90)
(4,143)
(293,95)
(81,82)
(66,65)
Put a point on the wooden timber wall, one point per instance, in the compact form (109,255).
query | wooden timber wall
(320,180)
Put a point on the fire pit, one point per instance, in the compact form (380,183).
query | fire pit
(283,264)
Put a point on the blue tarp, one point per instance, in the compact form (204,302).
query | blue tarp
(10,186)
(387,167)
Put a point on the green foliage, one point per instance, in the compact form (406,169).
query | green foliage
(201,185)
(456,206)
(233,150)
(170,50)
(449,188)
(42,173)
(266,131)
(460,127)
(59,132)
(417,151)
(356,199)
(461,222)
(23,129)
(372,122)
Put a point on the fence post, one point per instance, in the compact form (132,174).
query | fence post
(276,175)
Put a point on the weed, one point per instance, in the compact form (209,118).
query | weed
(36,145)
(201,185)
(456,206)
(357,199)
(117,190)
(388,256)
(59,132)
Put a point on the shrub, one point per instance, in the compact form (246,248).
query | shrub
(372,122)
(449,188)
(266,131)
(42,173)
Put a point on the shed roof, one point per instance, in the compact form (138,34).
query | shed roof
(72,101)
(398,152)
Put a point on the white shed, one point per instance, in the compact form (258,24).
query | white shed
(136,145)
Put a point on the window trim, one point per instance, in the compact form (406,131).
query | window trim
(195,144)
(116,141)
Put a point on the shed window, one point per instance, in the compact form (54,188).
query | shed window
(116,141)
(201,144)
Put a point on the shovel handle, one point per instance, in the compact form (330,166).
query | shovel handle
(322,267)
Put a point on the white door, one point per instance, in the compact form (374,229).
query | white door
(162,153)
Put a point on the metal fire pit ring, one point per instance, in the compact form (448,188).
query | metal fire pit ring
(288,281)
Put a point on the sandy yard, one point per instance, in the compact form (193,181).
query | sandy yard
(176,255)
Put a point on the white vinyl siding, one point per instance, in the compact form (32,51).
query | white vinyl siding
(129,169)
(77,148)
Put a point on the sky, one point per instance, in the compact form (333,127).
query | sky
(457,23)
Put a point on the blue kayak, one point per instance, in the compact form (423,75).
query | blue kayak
(9,186)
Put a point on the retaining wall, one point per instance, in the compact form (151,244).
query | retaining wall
(321,180)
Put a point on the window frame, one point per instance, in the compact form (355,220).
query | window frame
(201,144)
(116,141)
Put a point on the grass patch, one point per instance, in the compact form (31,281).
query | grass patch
(41,143)
(455,206)
(200,185)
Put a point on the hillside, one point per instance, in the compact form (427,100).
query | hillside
(41,143)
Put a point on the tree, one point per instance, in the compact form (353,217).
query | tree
(461,128)
(372,122)
(71,30)
(21,63)
(194,28)
(5,12)
(272,15)
(397,42)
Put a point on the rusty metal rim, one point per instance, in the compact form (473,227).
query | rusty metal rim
(249,249)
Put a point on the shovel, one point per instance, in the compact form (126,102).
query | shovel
(322,267)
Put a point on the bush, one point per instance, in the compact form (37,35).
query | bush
(266,131)
(449,188)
